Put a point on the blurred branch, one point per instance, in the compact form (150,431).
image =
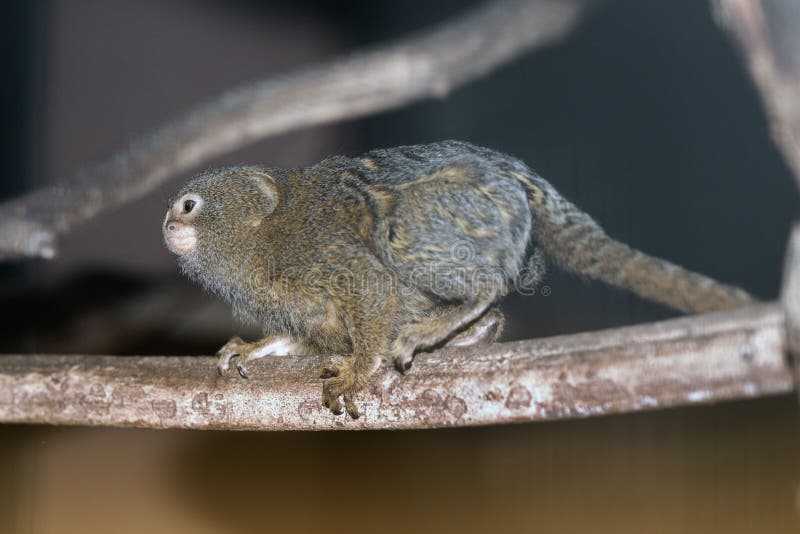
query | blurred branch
(767,32)
(701,359)
(429,64)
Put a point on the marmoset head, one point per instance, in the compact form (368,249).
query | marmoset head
(216,212)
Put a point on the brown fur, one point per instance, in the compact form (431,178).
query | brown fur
(404,249)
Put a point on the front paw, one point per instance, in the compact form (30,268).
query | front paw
(230,350)
(339,382)
(247,352)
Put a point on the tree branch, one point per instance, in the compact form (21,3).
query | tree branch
(767,33)
(700,359)
(429,64)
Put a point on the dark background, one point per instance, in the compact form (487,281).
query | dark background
(644,117)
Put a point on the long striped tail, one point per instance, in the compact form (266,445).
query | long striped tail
(578,244)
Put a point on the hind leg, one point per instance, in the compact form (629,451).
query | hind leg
(430,332)
(238,351)
(484,331)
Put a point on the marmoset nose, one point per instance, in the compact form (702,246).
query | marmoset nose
(179,237)
(172,225)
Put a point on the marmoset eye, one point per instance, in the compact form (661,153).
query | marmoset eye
(188,206)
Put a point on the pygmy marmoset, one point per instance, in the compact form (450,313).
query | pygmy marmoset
(396,251)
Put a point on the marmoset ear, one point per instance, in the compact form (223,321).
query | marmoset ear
(268,189)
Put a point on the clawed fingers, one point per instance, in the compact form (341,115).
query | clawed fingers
(337,389)
(403,363)
(330,398)
(225,355)
(242,368)
(350,407)
(230,350)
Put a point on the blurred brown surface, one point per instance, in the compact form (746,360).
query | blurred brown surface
(729,468)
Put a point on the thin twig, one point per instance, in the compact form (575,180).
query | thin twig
(701,359)
(429,64)
(767,33)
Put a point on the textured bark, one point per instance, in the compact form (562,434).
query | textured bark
(701,359)
(767,32)
(429,64)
